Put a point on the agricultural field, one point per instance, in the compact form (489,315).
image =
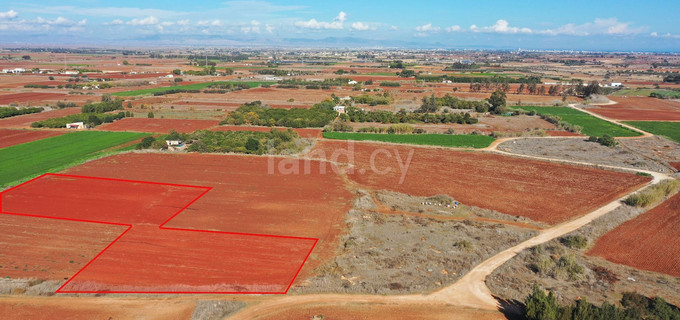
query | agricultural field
(9,137)
(639,108)
(444,140)
(634,244)
(670,130)
(26,120)
(196,86)
(501,183)
(26,160)
(592,126)
(153,125)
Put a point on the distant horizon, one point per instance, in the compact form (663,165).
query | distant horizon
(580,25)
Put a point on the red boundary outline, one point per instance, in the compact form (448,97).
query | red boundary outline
(162,226)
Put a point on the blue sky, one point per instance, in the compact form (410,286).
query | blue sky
(581,25)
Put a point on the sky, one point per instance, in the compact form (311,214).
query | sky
(545,25)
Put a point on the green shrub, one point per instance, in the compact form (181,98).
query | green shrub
(574,242)
(146,143)
(653,194)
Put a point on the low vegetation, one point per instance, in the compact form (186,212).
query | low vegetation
(25,160)
(6,112)
(589,125)
(653,194)
(670,130)
(446,140)
(255,113)
(542,306)
(434,104)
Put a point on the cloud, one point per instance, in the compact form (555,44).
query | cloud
(427,28)
(314,24)
(454,28)
(116,22)
(184,22)
(394,28)
(11,14)
(610,26)
(214,23)
(148,21)
(501,26)
(253,27)
(59,21)
(360,26)
(269,28)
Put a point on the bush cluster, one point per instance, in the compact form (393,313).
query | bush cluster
(254,113)
(6,112)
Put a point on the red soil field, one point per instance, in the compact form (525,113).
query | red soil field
(24,121)
(305,133)
(561,133)
(159,259)
(29,96)
(542,191)
(361,311)
(83,308)
(675,165)
(648,242)
(158,125)
(245,197)
(50,249)
(640,108)
(11,137)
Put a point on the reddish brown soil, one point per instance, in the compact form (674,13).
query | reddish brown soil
(648,242)
(158,125)
(50,249)
(562,133)
(675,165)
(11,137)
(29,96)
(82,308)
(305,133)
(25,121)
(245,197)
(640,108)
(486,124)
(542,191)
(159,259)
(359,311)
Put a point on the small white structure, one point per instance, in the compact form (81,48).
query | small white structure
(616,84)
(75,125)
(352,82)
(15,70)
(174,145)
(347,98)
(340,109)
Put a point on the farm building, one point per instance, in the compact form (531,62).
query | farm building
(75,125)
(340,109)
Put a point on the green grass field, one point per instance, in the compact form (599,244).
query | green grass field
(27,160)
(670,130)
(195,86)
(592,126)
(445,140)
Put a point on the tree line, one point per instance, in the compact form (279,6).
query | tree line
(6,112)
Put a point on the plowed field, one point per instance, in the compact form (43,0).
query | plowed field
(648,242)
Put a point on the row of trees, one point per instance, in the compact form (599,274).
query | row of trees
(6,112)
(90,119)
(254,113)
(357,115)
